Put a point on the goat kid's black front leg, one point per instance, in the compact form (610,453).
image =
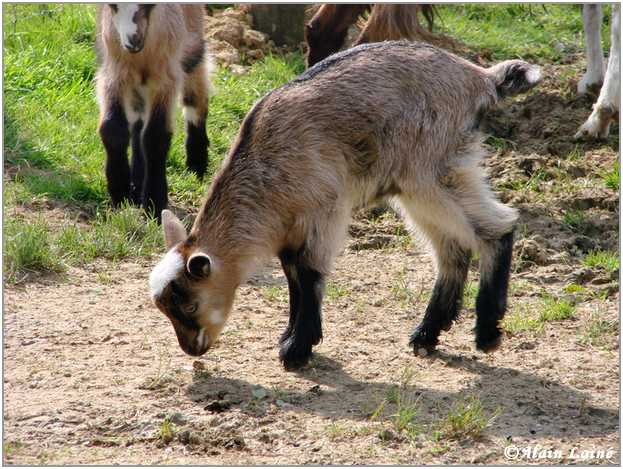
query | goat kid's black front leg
(156,140)
(492,294)
(138,164)
(446,300)
(115,137)
(305,324)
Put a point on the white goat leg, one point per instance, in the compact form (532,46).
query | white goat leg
(607,106)
(592,16)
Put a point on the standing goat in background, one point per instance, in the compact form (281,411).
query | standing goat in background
(148,55)
(326,32)
(390,120)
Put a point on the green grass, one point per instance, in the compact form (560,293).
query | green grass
(470,294)
(549,309)
(556,310)
(466,418)
(334,291)
(35,246)
(275,294)
(27,248)
(605,260)
(51,114)
(518,30)
(599,332)
(404,405)
(612,178)
(575,220)
(166,432)
(518,323)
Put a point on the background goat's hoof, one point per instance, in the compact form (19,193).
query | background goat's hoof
(489,342)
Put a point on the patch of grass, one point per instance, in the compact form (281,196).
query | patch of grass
(517,30)
(405,404)
(28,248)
(11,447)
(575,220)
(500,144)
(466,419)
(274,294)
(337,431)
(166,432)
(469,295)
(612,178)
(37,247)
(605,260)
(550,309)
(335,292)
(401,290)
(599,332)
(556,310)
(517,323)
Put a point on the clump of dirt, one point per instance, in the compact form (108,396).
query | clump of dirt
(234,43)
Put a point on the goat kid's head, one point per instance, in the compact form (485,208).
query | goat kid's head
(192,288)
(131,21)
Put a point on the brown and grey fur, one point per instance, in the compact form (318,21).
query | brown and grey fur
(392,120)
(137,85)
(326,32)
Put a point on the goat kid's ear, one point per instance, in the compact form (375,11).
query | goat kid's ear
(198,265)
(513,77)
(174,231)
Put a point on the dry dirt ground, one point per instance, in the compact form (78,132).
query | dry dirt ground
(93,373)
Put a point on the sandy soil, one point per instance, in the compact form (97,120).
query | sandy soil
(92,369)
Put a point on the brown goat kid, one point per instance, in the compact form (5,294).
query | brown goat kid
(391,120)
(148,55)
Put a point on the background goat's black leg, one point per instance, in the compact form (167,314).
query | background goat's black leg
(115,136)
(156,141)
(305,324)
(138,163)
(492,293)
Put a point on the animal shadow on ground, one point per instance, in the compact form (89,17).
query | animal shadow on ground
(530,404)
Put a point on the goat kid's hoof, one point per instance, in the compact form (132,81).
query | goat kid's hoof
(294,356)
(422,344)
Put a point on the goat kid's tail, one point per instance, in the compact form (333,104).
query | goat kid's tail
(513,77)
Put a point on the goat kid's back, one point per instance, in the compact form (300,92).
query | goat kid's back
(392,120)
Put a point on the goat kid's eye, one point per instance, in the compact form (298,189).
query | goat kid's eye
(190,309)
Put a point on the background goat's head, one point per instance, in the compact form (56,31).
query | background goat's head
(194,289)
(131,21)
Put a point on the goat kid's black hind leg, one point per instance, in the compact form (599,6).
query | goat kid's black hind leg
(197,144)
(156,140)
(492,294)
(305,325)
(115,137)
(444,305)
(138,164)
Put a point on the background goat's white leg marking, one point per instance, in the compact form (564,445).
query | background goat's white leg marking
(592,16)
(607,105)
